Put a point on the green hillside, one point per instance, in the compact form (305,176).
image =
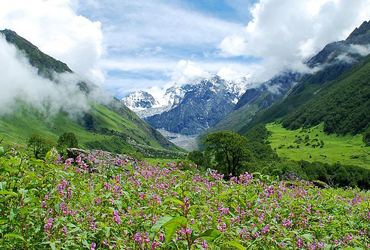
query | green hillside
(110,131)
(306,88)
(110,126)
(45,64)
(325,121)
(337,94)
(343,105)
(235,120)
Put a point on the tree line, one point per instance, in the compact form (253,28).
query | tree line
(233,154)
(40,145)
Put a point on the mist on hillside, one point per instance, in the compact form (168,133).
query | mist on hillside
(20,82)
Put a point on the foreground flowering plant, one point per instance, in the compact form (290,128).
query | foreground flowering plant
(92,204)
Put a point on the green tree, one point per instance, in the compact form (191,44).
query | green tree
(228,149)
(67,140)
(39,144)
(366,137)
(197,157)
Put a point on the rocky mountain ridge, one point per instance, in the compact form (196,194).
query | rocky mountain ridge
(192,108)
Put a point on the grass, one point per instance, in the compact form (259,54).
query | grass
(306,144)
(126,133)
(161,161)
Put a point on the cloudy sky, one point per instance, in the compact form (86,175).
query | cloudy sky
(127,45)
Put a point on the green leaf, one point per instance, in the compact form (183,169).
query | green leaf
(13,213)
(157,226)
(209,235)
(74,230)
(12,169)
(107,232)
(52,245)
(308,237)
(31,200)
(198,206)
(235,244)
(328,246)
(119,204)
(220,197)
(4,221)
(9,193)
(24,210)
(38,163)
(23,192)
(172,225)
(17,236)
(3,185)
(86,244)
(174,200)
(188,194)
(241,201)
(2,152)
(32,175)
(127,194)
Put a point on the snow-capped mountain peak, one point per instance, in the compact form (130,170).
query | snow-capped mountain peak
(139,100)
(199,101)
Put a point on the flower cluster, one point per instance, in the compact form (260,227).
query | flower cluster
(141,206)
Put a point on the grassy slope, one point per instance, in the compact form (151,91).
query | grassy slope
(349,150)
(343,105)
(305,89)
(18,126)
(115,127)
(236,119)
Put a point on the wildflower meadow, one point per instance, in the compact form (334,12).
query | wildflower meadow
(90,203)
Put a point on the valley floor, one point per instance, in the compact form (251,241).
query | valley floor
(188,142)
(314,145)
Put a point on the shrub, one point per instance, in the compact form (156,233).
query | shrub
(40,144)
(66,140)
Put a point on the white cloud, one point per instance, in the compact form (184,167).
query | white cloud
(231,73)
(362,50)
(132,25)
(345,58)
(149,51)
(284,31)
(20,81)
(153,36)
(169,72)
(57,30)
(157,38)
(233,46)
(121,87)
(185,71)
(136,64)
